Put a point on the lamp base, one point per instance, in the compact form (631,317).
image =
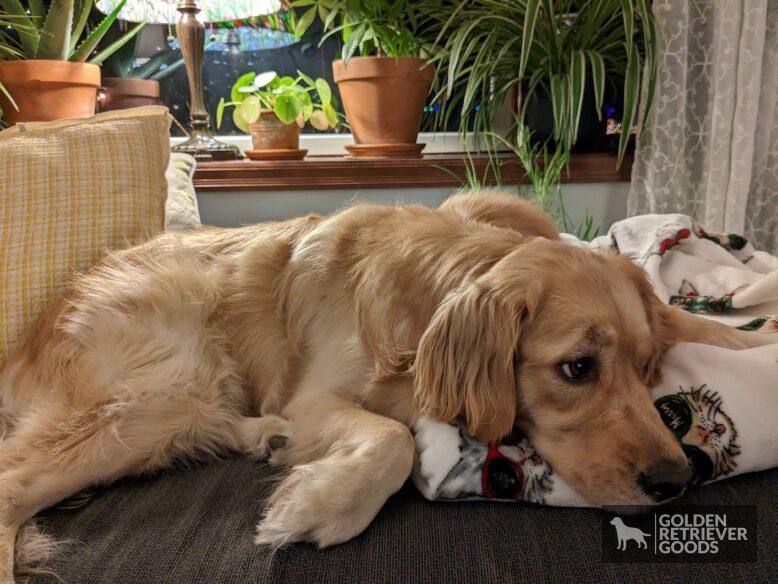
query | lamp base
(205,147)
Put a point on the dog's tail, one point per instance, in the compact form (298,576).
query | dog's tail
(644,534)
(33,549)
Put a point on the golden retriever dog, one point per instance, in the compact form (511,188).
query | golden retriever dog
(315,343)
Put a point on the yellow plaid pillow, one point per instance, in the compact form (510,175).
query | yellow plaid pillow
(69,190)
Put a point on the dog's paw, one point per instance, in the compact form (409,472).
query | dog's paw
(265,438)
(314,505)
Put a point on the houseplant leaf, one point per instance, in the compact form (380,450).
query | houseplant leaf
(220,112)
(305,78)
(55,36)
(239,122)
(263,79)
(287,107)
(164,71)
(320,120)
(8,97)
(332,115)
(649,35)
(250,109)
(324,91)
(82,53)
(628,15)
(37,9)
(29,37)
(631,88)
(350,46)
(304,22)
(243,81)
(530,18)
(577,89)
(82,9)
(117,44)
(558,87)
(598,79)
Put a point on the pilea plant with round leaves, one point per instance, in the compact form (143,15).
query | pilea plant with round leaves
(299,100)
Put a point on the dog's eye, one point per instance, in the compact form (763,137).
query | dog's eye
(577,370)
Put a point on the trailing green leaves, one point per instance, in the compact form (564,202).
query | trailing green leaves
(530,18)
(598,79)
(628,15)
(487,51)
(649,48)
(631,97)
(577,86)
(559,101)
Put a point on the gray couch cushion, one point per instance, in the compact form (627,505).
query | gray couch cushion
(196,525)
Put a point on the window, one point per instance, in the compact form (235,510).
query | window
(236,48)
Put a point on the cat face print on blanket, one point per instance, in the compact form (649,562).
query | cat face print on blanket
(707,434)
(719,404)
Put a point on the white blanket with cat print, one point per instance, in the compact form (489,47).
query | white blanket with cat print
(720,404)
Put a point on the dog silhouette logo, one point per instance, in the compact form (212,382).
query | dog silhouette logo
(625,533)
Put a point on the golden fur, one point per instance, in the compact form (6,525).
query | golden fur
(316,342)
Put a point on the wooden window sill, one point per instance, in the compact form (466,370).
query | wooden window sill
(328,173)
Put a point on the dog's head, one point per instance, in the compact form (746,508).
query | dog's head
(564,343)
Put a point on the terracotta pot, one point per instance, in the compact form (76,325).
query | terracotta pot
(270,133)
(49,90)
(119,93)
(383,97)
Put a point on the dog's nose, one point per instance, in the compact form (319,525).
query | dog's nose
(665,480)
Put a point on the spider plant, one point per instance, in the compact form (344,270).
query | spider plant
(58,30)
(487,49)
(384,28)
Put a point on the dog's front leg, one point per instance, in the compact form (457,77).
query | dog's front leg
(347,462)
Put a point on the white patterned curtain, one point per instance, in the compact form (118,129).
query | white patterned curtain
(711,146)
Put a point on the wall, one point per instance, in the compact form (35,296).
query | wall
(606,202)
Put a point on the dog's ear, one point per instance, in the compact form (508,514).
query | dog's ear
(671,325)
(661,338)
(465,363)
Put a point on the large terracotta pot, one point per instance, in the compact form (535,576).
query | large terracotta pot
(270,133)
(384,100)
(49,90)
(119,93)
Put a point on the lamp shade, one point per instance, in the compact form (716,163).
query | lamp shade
(164,11)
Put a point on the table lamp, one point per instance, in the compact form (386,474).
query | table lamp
(189,16)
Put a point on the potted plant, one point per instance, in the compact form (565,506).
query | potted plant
(44,64)
(383,80)
(273,109)
(559,56)
(126,85)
